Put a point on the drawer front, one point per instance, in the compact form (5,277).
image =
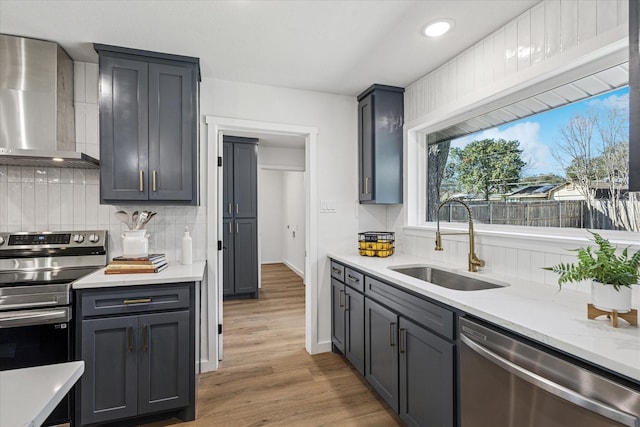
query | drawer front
(337,271)
(135,299)
(425,313)
(354,279)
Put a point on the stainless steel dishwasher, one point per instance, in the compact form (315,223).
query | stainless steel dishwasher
(505,382)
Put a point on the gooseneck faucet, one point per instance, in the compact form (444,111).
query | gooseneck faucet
(474,261)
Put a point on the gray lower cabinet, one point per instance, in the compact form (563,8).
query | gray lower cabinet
(337,314)
(148,126)
(381,337)
(354,329)
(347,312)
(403,344)
(426,377)
(139,353)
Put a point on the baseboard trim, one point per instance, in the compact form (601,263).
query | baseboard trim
(293,268)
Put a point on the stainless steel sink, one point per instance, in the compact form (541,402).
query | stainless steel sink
(446,279)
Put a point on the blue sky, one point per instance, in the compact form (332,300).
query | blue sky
(539,134)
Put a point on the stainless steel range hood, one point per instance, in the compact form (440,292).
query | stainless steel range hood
(37,117)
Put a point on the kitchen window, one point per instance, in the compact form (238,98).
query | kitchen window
(430,179)
(563,161)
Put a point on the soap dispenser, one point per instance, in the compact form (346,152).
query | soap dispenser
(187,247)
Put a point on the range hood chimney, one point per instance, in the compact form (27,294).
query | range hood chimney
(37,117)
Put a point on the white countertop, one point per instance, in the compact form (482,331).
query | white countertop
(175,273)
(538,311)
(28,395)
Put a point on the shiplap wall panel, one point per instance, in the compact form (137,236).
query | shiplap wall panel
(511,47)
(568,24)
(544,31)
(552,28)
(524,41)
(537,33)
(587,20)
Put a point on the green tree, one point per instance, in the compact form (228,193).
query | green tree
(489,166)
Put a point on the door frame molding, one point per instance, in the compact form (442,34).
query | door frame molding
(216,127)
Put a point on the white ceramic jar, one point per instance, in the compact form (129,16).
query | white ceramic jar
(135,244)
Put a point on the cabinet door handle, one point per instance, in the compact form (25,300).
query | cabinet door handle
(366,185)
(237,208)
(141,180)
(335,270)
(154,180)
(144,338)
(347,303)
(229,208)
(129,343)
(341,298)
(237,228)
(392,327)
(353,278)
(230,228)
(136,301)
(402,340)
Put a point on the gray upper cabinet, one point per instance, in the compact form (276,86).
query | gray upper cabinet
(380,121)
(148,126)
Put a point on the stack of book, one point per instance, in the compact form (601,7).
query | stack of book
(152,263)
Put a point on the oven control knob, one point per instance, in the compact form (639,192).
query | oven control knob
(94,238)
(78,238)
(1,240)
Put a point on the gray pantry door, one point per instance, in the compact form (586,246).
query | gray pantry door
(246,255)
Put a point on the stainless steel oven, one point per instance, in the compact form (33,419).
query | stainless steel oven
(505,382)
(36,272)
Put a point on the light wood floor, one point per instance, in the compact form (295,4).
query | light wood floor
(267,377)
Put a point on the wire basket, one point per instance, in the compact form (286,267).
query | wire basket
(376,243)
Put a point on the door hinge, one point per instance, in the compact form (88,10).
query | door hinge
(219,161)
(219,245)
(219,328)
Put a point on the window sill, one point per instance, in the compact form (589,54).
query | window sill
(529,237)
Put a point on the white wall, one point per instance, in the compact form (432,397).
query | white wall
(336,163)
(281,158)
(551,35)
(294,238)
(271,212)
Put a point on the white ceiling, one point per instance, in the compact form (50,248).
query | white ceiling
(330,46)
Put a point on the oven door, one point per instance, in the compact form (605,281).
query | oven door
(37,337)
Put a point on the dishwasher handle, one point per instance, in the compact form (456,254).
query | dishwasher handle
(556,389)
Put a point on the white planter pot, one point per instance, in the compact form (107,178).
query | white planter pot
(605,297)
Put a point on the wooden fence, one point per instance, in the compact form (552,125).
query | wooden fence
(548,213)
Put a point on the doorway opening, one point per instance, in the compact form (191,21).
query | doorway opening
(217,128)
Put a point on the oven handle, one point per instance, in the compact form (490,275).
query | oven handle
(33,304)
(552,387)
(34,317)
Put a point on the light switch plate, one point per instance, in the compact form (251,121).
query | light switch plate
(328,206)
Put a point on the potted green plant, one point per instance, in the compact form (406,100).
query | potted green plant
(611,275)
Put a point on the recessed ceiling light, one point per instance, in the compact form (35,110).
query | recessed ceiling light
(438,28)
(57,159)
